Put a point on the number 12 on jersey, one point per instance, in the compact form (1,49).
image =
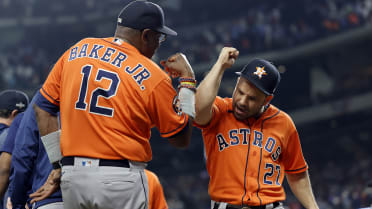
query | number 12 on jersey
(94,108)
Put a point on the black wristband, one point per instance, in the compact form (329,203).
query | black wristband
(56,165)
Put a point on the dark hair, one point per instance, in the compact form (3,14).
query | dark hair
(4,113)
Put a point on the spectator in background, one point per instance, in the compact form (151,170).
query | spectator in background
(12,102)
(5,158)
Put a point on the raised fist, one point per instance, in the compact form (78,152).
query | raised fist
(227,57)
(178,65)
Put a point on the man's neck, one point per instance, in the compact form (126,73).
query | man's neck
(263,109)
(124,39)
(6,121)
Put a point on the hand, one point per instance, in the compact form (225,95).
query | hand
(178,65)
(9,204)
(50,186)
(227,57)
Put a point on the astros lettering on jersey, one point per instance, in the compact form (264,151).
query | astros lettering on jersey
(104,85)
(247,160)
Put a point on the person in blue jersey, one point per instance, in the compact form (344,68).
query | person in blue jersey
(31,165)
(12,102)
(5,157)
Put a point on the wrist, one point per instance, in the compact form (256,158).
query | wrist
(220,66)
(187,82)
(188,75)
(56,165)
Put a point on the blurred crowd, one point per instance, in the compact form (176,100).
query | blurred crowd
(271,25)
(262,27)
(23,67)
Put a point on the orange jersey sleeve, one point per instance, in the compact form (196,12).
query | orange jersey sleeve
(110,96)
(247,160)
(163,107)
(156,193)
(293,157)
(52,86)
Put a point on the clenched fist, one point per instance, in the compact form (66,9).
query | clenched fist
(227,57)
(178,65)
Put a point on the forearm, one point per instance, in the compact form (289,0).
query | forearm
(5,160)
(206,94)
(46,122)
(301,188)
(4,181)
(182,139)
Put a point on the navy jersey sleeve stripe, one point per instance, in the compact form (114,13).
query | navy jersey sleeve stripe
(178,129)
(296,169)
(44,104)
(49,96)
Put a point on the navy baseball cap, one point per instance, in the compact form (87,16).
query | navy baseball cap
(143,14)
(262,74)
(13,100)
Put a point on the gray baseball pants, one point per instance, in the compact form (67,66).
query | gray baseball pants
(54,205)
(86,185)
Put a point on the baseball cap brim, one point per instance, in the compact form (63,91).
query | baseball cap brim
(253,82)
(166,30)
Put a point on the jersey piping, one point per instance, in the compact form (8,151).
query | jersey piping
(296,169)
(176,129)
(50,97)
(246,165)
(259,165)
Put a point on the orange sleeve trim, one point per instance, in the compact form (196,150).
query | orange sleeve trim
(176,130)
(299,170)
(48,97)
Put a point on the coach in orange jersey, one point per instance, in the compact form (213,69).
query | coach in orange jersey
(250,144)
(110,94)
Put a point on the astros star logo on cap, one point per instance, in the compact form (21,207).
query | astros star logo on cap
(260,71)
(20,105)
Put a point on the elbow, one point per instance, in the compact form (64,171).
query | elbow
(184,144)
(38,111)
(182,139)
(180,142)
(297,176)
(199,109)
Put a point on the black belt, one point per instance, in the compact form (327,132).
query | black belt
(70,160)
(275,204)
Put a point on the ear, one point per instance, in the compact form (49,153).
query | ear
(145,37)
(14,113)
(268,99)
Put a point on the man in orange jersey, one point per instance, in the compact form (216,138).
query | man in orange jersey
(110,94)
(156,193)
(250,144)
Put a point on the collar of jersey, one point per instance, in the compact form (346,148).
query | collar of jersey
(270,111)
(124,45)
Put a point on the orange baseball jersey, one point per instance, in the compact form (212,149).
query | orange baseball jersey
(156,193)
(247,160)
(110,96)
